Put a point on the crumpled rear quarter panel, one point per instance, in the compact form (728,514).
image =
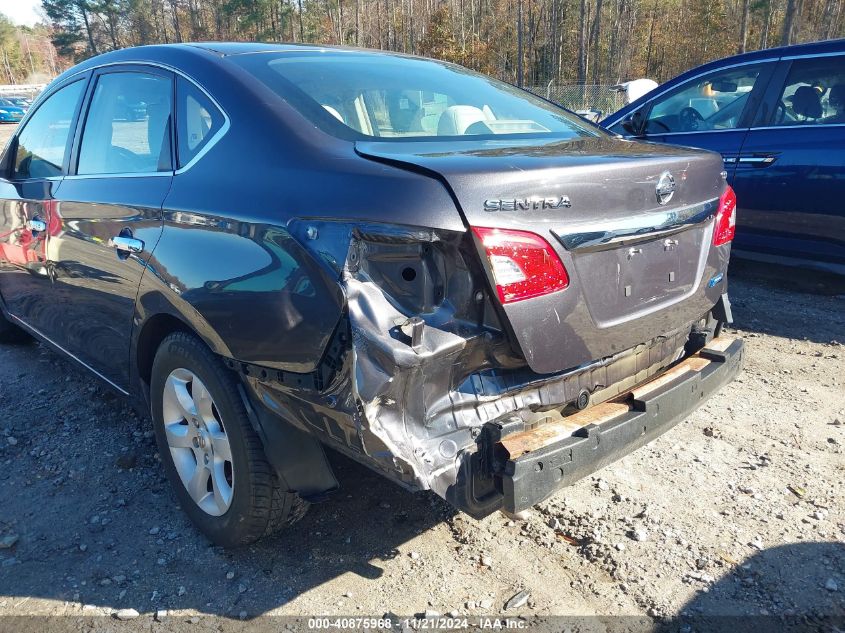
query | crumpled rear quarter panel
(414,409)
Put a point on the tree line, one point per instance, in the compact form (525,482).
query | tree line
(27,55)
(540,41)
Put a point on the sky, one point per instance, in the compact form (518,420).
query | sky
(21,11)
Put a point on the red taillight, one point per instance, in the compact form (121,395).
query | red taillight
(725,218)
(524,264)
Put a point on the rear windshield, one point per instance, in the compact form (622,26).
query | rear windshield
(365,95)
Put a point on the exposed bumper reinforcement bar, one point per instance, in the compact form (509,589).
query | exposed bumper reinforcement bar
(538,462)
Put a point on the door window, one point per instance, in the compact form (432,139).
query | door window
(198,120)
(42,143)
(714,102)
(813,93)
(127,129)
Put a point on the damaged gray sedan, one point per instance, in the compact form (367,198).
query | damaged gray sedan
(450,280)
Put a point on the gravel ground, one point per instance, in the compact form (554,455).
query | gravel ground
(6,131)
(736,511)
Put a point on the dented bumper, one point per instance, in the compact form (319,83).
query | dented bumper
(525,467)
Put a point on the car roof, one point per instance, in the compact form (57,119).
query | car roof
(796,50)
(184,53)
(810,48)
(218,49)
(244,48)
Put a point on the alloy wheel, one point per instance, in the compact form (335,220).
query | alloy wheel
(198,442)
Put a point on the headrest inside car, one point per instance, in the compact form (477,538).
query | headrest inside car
(456,119)
(807,102)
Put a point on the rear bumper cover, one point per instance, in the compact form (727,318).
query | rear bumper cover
(527,467)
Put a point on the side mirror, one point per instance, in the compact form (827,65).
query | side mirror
(634,123)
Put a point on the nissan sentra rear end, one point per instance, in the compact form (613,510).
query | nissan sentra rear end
(571,313)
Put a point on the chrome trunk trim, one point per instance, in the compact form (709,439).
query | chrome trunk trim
(639,228)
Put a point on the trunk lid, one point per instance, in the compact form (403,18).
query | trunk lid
(636,265)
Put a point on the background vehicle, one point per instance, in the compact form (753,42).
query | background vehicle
(396,257)
(635,89)
(777,116)
(21,102)
(10,112)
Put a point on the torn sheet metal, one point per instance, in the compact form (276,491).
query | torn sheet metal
(425,370)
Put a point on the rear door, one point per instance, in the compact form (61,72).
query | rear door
(34,165)
(790,176)
(712,111)
(110,211)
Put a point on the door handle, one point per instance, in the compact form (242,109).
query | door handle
(126,244)
(36,226)
(757,161)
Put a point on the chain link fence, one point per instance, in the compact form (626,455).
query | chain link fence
(21,90)
(601,97)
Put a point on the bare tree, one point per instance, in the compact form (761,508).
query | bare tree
(788,22)
(743,26)
(535,42)
(519,52)
(582,43)
(595,42)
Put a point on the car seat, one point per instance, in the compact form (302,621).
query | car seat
(836,99)
(807,102)
(333,112)
(456,119)
(405,113)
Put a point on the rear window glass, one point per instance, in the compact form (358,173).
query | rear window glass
(393,98)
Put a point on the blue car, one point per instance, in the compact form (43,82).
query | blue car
(21,102)
(9,112)
(777,117)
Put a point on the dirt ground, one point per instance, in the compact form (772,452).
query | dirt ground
(739,510)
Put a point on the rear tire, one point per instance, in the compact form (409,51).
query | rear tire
(212,456)
(11,333)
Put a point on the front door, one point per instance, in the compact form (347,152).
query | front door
(33,169)
(110,212)
(710,112)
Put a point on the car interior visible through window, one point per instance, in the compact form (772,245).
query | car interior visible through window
(712,103)
(813,94)
(127,129)
(407,99)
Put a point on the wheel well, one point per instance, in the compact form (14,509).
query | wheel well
(155,330)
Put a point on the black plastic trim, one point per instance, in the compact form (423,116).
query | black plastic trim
(297,457)
(531,478)
(486,482)
(722,309)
